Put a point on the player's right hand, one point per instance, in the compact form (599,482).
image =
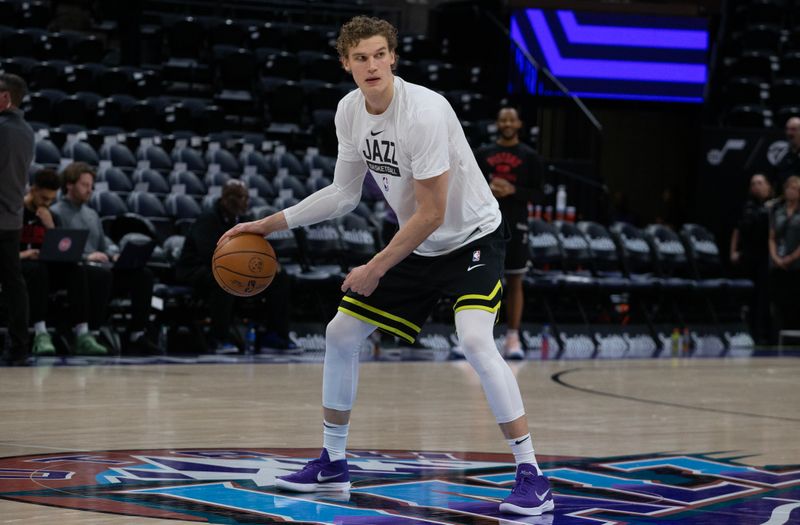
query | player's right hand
(258,227)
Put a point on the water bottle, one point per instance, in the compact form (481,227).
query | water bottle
(163,339)
(561,202)
(676,341)
(250,346)
(686,343)
(545,341)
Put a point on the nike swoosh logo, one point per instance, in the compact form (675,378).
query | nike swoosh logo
(522,440)
(470,268)
(374,133)
(323,479)
(543,494)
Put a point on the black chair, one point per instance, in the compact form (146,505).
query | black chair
(20,43)
(757,64)
(287,160)
(418,47)
(87,49)
(155,155)
(286,103)
(218,178)
(258,160)
(45,75)
(150,207)
(314,184)
(743,91)
(230,33)
(73,110)
(181,206)
(116,179)
(261,184)
(785,92)
(290,182)
(674,271)
(46,153)
(191,157)
(191,182)
(321,66)
(280,66)
(80,151)
(225,159)
(156,183)
(790,63)
(119,155)
(186,38)
(107,204)
(748,116)
(314,161)
(761,38)
(706,263)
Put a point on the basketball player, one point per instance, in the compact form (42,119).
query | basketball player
(450,243)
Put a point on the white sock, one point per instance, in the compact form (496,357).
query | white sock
(522,448)
(80,329)
(39,327)
(334,439)
(512,333)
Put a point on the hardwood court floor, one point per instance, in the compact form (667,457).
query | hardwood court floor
(747,407)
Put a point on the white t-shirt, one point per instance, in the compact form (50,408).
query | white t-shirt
(419,137)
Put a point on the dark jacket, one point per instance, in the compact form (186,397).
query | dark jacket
(201,241)
(16,154)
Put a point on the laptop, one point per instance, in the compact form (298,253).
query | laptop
(134,255)
(63,245)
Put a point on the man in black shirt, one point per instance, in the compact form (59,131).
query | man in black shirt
(16,154)
(750,253)
(41,277)
(515,176)
(194,267)
(790,163)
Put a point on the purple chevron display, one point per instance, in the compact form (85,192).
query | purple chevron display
(612,56)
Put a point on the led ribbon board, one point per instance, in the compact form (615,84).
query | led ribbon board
(612,56)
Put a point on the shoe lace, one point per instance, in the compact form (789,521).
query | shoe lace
(311,464)
(523,483)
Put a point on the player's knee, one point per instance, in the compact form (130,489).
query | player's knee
(340,336)
(479,350)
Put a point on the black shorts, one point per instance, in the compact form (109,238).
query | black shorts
(409,291)
(517,250)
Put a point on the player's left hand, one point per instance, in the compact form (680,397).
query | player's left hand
(362,280)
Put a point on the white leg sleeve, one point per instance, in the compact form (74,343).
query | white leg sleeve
(499,384)
(343,339)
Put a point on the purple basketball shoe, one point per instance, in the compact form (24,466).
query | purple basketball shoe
(531,494)
(319,475)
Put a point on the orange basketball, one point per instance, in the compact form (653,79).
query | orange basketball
(244,265)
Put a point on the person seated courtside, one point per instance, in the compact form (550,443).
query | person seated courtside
(105,280)
(194,268)
(43,277)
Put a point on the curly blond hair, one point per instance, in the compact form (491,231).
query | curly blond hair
(360,27)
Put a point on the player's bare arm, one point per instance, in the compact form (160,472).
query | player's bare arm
(431,197)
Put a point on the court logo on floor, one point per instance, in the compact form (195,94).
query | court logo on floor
(402,487)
